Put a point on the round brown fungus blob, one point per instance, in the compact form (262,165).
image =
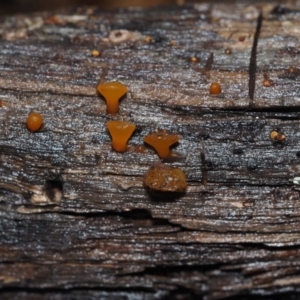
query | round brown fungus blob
(120,133)
(215,88)
(34,122)
(161,141)
(112,92)
(165,179)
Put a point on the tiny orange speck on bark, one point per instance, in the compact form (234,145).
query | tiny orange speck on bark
(193,59)
(267,83)
(95,53)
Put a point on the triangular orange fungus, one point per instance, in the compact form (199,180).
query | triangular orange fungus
(161,142)
(120,133)
(112,92)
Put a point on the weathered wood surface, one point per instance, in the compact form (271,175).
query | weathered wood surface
(76,221)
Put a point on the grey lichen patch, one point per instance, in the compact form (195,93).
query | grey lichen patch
(296,183)
(21,28)
(15,35)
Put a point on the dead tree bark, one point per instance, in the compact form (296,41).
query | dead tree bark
(77,222)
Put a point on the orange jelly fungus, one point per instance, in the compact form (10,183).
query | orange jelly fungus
(161,142)
(215,88)
(34,122)
(120,133)
(95,53)
(112,92)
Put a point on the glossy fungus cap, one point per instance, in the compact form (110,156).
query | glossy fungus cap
(112,92)
(120,133)
(161,142)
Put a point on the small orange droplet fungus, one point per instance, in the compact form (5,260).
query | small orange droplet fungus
(215,88)
(161,142)
(148,39)
(228,51)
(193,59)
(112,92)
(120,133)
(95,53)
(34,121)
(173,43)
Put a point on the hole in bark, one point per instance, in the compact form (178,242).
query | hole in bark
(298,153)
(118,34)
(54,190)
(237,151)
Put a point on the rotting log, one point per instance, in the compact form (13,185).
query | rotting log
(77,222)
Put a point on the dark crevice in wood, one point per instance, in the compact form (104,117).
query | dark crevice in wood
(136,214)
(50,92)
(200,111)
(256,246)
(282,10)
(156,196)
(68,290)
(256,296)
(285,113)
(167,271)
(54,189)
(182,293)
(252,66)
(209,63)
(203,162)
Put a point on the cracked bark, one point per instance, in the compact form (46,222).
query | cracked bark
(76,221)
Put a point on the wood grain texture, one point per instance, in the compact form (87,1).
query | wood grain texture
(76,221)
